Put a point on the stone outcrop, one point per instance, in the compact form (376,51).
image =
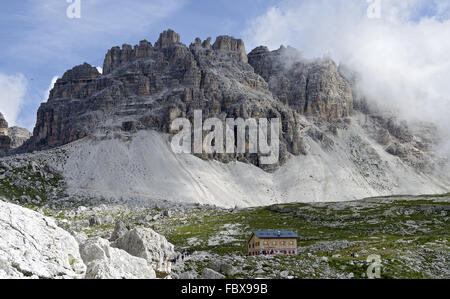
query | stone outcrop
(313,88)
(33,246)
(149,245)
(228,43)
(211,274)
(105,262)
(167,39)
(120,230)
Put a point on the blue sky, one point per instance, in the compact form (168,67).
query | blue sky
(39,41)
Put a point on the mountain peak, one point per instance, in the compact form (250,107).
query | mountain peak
(167,38)
(229,43)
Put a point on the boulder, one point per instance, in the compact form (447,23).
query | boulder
(94,249)
(216,265)
(211,274)
(81,237)
(223,267)
(147,244)
(95,221)
(33,246)
(105,262)
(120,230)
(228,269)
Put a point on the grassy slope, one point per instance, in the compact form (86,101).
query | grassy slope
(405,232)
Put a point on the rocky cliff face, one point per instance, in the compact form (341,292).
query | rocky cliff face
(5,141)
(313,88)
(146,87)
(18,136)
(11,138)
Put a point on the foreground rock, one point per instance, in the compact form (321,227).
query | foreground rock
(147,244)
(120,230)
(33,246)
(211,274)
(105,262)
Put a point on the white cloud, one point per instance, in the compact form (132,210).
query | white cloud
(12,93)
(52,84)
(403,57)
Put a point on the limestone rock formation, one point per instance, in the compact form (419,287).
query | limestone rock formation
(18,136)
(5,140)
(120,230)
(228,43)
(105,262)
(33,246)
(149,245)
(11,138)
(146,87)
(313,88)
(167,39)
(211,274)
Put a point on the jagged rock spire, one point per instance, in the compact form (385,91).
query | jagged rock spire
(84,71)
(229,43)
(167,38)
